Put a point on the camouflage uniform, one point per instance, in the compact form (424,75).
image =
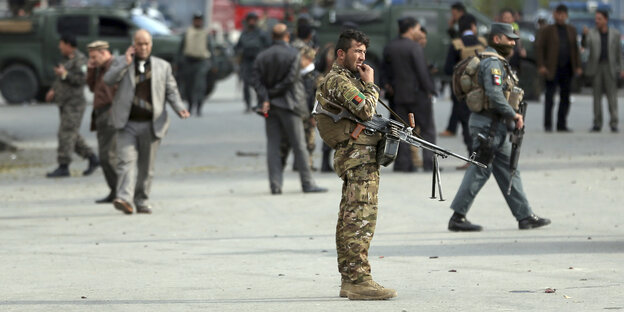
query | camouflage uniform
(69,95)
(355,162)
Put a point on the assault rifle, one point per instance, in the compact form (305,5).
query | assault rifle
(394,132)
(516,143)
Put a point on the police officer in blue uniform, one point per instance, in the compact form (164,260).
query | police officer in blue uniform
(488,129)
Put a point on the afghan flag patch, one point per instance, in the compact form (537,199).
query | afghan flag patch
(358,98)
(497,80)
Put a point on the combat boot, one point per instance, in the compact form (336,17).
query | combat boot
(345,286)
(60,172)
(369,290)
(94,162)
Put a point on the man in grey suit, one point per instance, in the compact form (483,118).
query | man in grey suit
(604,66)
(138,113)
(277,80)
(406,69)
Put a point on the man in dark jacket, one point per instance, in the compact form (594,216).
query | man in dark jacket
(557,60)
(277,80)
(407,72)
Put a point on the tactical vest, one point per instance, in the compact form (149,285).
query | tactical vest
(476,100)
(196,43)
(332,132)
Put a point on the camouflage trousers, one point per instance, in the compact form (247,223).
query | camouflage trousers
(69,138)
(356,221)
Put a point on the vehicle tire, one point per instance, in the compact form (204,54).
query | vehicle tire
(18,84)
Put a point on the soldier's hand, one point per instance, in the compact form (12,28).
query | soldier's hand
(129,55)
(519,121)
(366,73)
(543,71)
(184,114)
(49,96)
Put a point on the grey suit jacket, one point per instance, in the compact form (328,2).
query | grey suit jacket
(164,89)
(614,51)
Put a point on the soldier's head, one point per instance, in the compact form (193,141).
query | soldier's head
(502,38)
(457,10)
(67,44)
(409,27)
(198,20)
(351,49)
(467,23)
(602,19)
(560,15)
(251,20)
(98,53)
(142,44)
(280,32)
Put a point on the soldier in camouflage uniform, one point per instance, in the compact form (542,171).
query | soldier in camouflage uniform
(355,162)
(68,92)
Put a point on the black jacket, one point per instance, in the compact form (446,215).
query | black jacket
(406,69)
(277,79)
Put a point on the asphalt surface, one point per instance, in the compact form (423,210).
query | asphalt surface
(218,241)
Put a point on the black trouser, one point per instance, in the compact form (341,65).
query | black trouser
(462,113)
(423,116)
(454,119)
(563,79)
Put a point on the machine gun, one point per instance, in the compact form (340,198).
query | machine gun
(516,143)
(394,132)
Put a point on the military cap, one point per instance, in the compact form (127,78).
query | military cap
(251,15)
(503,29)
(96,45)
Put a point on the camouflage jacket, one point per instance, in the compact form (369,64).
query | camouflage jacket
(71,88)
(341,86)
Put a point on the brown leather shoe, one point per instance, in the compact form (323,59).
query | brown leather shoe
(123,206)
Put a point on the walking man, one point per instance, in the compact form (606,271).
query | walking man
(68,92)
(196,53)
(604,66)
(145,84)
(100,60)
(251,42)
(494,76)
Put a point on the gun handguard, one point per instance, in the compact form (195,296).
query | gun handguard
(390,127)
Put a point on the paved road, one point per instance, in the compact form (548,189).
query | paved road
(217,241)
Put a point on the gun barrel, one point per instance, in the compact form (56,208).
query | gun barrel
(410,139)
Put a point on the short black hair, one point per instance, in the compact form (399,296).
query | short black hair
(423,29)
(465,22)
(458,6)
(561,8)
(69,39)
(406,23)
(603,12)
(344,41)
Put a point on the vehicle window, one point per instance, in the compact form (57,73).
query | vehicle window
(113,27)
(77,25)
(153,26)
